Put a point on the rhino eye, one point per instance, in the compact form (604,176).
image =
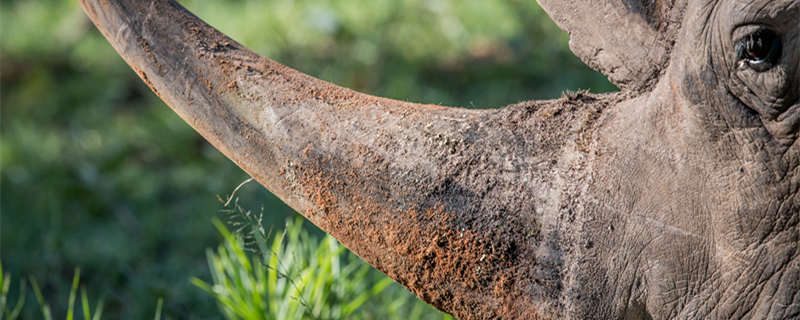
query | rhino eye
(760,50)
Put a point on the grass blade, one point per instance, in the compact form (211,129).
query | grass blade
(356,303)
(45,308)
(87,313)
(158,309)
(20,302)
(71,304)
(5,284)
(99,311)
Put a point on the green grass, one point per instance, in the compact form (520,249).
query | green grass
(294,275)
(5,286)
(254,275)
(46,313)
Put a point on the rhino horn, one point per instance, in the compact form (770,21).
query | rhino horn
(463,207)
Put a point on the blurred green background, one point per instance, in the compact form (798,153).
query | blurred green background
(98,173)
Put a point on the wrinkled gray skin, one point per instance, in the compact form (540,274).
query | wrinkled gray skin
(701,178)
(674,199)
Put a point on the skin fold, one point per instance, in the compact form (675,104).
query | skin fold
(676,198)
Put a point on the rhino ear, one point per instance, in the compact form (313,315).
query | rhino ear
(627,40)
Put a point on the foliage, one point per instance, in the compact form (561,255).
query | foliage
(5,286)
(85,310)
(95,171)
(293,275)
(299,277)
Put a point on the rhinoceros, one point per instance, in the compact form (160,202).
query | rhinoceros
(674,198)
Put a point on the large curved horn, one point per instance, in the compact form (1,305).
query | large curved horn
(464,207)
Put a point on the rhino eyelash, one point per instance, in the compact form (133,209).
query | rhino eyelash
(759,50)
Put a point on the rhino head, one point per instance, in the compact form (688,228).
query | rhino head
(676,197)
